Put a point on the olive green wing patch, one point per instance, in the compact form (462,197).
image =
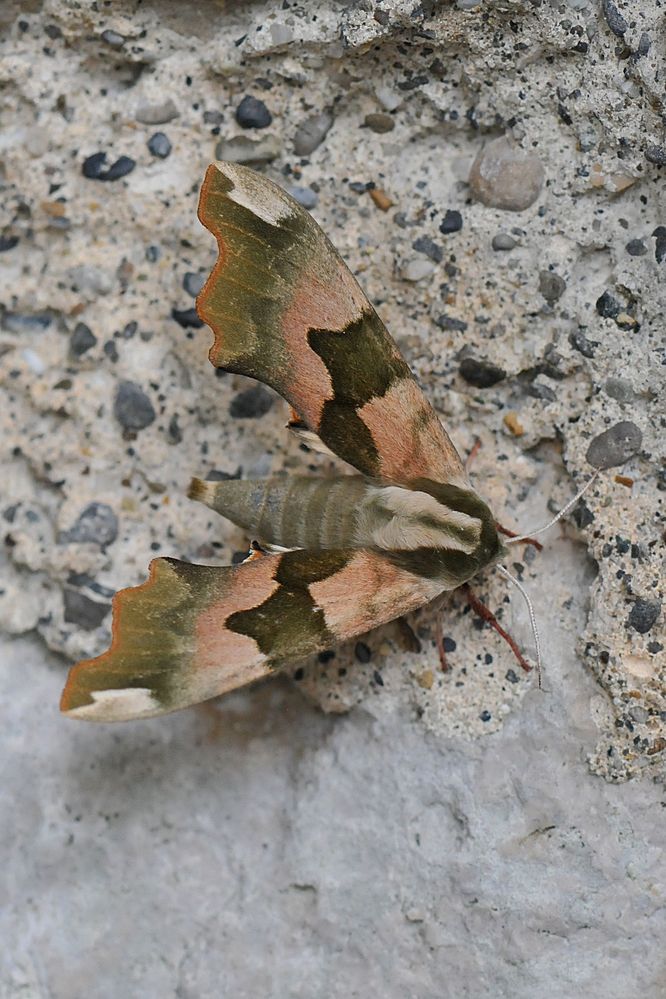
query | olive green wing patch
(192,632)
(286,310)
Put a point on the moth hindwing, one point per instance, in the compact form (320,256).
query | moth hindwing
(363,548)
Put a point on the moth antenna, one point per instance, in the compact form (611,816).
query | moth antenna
(558,516)
(530,610)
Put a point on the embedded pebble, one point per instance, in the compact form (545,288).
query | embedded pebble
(113,38)
(539,390)
(96,524)
(416,270)
(513,424)
(311,133)
(502,241)
(251,403)
(424,244)
(614,19)
(380,199)
(8,243)
(481,374)
(551,286)
(619,389)
(187,318)
(253,113)
(91,279)
(94,167)
(643,615)
(636,248)
(193,282)
(132,407)
(451,323)
(159,145)
(120,168)
(305,196)
(34,361)
(656,155)
(281,34)
(614,446)
(607,306)
(379,122)
(213,117)
(82,611)
(111,351)
(243,149)
(156,113)
(452,222)
(644,45)
(504,176)
(582,344)
(625,321)
(18,322)
(81,340)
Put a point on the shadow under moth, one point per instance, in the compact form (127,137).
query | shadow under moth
(358,550)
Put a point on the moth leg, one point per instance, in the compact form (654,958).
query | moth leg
(255,552)
(486,614)
(514,534)
(295,421)
(476,447)
(439,638)
(297,425)
(437,610)
(408,637)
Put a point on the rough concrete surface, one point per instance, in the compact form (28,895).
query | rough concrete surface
(494,175)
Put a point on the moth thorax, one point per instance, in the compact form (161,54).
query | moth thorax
(397,519)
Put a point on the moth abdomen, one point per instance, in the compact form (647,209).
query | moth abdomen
(290,511)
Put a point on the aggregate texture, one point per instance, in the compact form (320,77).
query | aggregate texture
(494,175)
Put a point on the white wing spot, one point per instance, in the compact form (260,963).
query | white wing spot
(265,200)
(118,705)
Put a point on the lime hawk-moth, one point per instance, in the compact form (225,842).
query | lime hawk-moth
(361,549)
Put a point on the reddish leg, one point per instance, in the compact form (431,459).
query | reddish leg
(476,447)
(439,638)
(437,610)
(514,534)
(487,615)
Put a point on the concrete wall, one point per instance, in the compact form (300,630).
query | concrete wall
(428,834)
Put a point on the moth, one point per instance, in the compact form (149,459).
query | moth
(358,550)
